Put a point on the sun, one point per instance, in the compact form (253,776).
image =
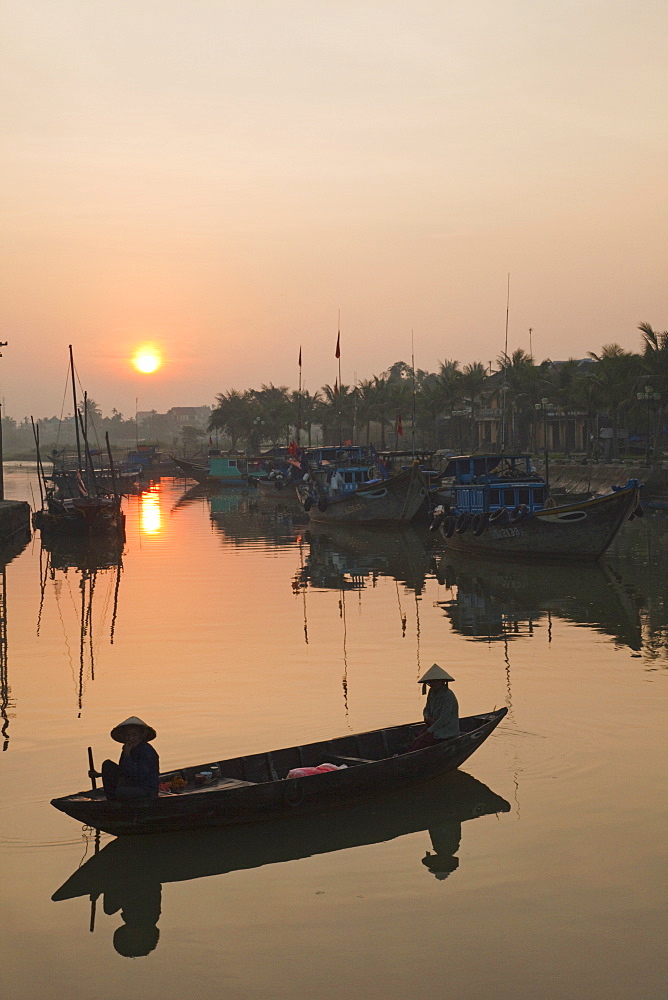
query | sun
(147,360)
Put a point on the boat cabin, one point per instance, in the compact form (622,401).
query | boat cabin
(352,465)
(485,483)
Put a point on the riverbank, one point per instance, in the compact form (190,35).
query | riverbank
(589,478)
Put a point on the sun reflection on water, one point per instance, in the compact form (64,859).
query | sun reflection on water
(150,516)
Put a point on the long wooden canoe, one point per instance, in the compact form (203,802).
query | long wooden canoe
(127,865)
(256,788)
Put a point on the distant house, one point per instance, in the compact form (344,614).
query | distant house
(190,416)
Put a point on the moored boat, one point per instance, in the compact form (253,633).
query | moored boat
(257,788)
(502,508)
(391,501)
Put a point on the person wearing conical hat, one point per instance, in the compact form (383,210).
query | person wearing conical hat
(441,712)
(137,774)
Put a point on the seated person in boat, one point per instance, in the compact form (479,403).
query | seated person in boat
(136,776)
(441,713)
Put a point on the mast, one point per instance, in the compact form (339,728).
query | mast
(413,415)
(505,373)
(74,397)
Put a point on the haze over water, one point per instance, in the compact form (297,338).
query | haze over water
(235,629)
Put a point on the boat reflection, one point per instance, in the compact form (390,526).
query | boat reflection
(87,559)
(243,518)
(351,559)
(9,550)
(130,871)
(495,600)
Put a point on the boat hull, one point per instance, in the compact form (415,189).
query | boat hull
(390,501)
(131,862)
(240,801)
(577,531)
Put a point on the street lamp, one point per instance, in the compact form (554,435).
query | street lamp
(648,395)
(544,405)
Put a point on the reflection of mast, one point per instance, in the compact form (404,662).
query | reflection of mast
(402,614)
(342,612)
(4,678)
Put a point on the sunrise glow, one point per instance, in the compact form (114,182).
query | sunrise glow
(147,360)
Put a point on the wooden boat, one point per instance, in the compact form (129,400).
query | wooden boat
(572,531)
(256,788)
(395,500)
(127,865)
(84,517)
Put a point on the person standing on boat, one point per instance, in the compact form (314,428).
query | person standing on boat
(136,776)
(441,713)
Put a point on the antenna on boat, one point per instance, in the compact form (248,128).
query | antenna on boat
(505,384)
(413,414)
(76,421)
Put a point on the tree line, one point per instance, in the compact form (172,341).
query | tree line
(466,407)
(462,407)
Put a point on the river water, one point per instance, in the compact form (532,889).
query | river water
(539,871)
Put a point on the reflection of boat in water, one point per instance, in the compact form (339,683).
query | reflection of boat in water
(86,554)
(130,871)
(344,558)
(496,600)
(260,786)
(87,558)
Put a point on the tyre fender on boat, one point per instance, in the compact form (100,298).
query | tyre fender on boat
(322,504)
(499,516)
(449,526)
(518,513)
(294,792)
(462,522)
(308,503)
(479,523)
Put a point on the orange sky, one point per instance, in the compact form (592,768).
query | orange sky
(220,177)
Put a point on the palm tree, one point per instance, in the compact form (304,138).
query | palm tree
(655,363)
(232,415)
(471,384)
(613,379)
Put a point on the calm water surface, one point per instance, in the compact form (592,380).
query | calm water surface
(231,628)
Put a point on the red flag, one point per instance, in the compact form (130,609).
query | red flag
(400,428)
(300,356)
(337,353)
(336,387)
(210,441)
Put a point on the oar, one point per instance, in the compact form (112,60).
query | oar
(91,769)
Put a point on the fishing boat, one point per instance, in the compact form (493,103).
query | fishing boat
(391,501)
(93,511)
(257,787)
(128,865)
(220,470)
(502,508)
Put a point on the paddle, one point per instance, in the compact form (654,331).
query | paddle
(91,769)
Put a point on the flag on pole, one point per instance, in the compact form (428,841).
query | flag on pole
(400,428)
(337,353)
(300,356)
(336,387)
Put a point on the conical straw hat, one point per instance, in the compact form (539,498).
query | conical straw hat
(436,673)
(117,731)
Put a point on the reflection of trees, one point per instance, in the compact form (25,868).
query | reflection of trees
(130,871)
(8,551)
(498,600)
(640,560)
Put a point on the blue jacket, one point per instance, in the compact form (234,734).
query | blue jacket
(141,768)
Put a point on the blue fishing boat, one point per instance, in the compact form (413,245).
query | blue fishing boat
(502,507)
